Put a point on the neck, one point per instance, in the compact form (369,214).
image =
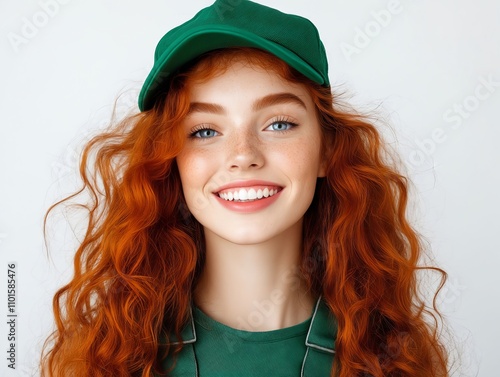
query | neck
(254,287)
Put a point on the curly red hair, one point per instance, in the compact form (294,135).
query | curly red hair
(142,253)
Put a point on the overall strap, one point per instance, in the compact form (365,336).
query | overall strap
(320,342)
(185,364)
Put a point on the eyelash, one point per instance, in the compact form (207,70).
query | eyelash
(285,120)
(204,127)
(199,128)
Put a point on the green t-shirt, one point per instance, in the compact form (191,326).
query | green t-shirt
(212,349)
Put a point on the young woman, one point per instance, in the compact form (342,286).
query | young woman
(243,223)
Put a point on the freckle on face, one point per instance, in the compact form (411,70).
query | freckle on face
(246,148)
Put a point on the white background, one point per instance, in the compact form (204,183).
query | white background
(415,67)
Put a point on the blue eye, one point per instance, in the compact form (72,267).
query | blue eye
(204,133)
(282,125)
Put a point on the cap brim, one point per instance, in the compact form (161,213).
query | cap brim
(208,38)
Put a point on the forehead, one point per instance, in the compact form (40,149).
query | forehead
(245,80)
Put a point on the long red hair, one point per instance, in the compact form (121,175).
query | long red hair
(142,253)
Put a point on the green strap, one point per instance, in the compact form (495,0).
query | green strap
(316,362)
(186,365)
(320,342)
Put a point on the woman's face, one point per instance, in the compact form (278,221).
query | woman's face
(252,155)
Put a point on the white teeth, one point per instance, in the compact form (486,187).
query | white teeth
(250,195)
(243,194)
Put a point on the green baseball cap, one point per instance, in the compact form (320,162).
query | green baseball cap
(237,23)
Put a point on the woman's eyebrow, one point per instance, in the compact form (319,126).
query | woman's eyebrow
(269,100)
(277,99)
(204,107)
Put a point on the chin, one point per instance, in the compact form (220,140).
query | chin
(248,237)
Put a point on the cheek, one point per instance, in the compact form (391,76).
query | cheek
(196,169)
(189,179)
(301,157)
(193,168)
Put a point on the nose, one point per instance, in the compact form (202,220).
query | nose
(245,151)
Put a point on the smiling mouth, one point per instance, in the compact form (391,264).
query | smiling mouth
(248,195)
